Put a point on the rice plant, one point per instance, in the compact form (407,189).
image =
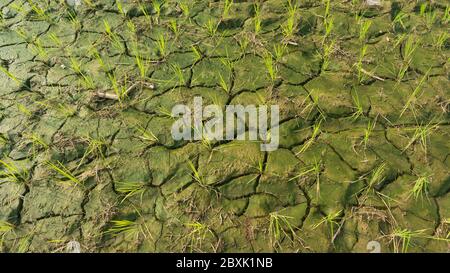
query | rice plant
(368,132)
(10,75)
(280,227)
(223,84)
(157,7)
(314,169)
(130,229)
(211,27)
(315,133)
(421,134)
(399,20)
(67,176)
(197,53)
(226,8)
(331,220)
(120,8)
(279,51)
(178,74)
(5,229)
(360,69)
(270,66)
(197,235)
(257,19)
(146,135)
(185,9)
(421,187)
(174,27)
(95,148)
(11,172)
(359,111)
(196,175)
(439,41)
(364,28)
(288,28)
(130,189)
(414,95)
(120,90)
(140,62)
(162,46)
(113,36)
(401,238)
(327,51)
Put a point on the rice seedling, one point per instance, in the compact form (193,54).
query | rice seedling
(24,110)
(359,111)
(279,51)
(39,11)
(211,27)
(11,172)
(331,220)
(178,74)
(421,187)
(429,15)
(279,228)
(196,175)
(95,148)
(421,135)
(56,40)
(257,19)
(185,9)
(73,18)
(120,8)
(120,90)
(131,27)
(36,141)
(67,176)
(39,49)
(130,189)
(414,95)
(162,46)
(143,9)
(446,16)
(197,235)
(399,20)
(359,67)
(140,62)
(226,8)
(174,27)
(401,238)
(270,66)
(86,80)
(223,84)
(368,132)
(440,40)
(157,7)
(364,28)
(130,229)
(376,177)
(10,75)
(112,36)
(146,135)
(5,229)
(315,169)
(198,55)
(290,25)
(327,51)
(410,47)
(315,133)
(96,55)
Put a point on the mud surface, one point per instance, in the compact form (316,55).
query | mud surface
(364,132)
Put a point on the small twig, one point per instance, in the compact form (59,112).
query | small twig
(372,75)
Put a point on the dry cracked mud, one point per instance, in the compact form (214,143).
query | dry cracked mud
(86,90)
